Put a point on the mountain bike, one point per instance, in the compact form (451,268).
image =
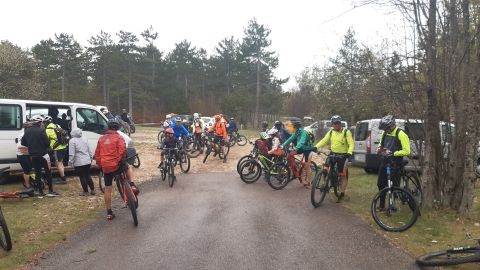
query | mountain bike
(253,155)
(168,165)
(401,210)
(328,178)
(452,256)
(195,146)
(129,198)
(160,136)
(5,239)
(236,138)
(220,148)
(295,168)
(251,169)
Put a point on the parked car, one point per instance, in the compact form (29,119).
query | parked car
(367,139)
(209,121)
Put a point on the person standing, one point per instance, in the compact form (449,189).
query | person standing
(36,140)
(80,157)
(59,149)
(23,157)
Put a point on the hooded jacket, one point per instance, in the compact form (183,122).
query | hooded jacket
(78,149)
(36,140)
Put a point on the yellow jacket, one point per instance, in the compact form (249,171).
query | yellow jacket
(339,143)
(52,137)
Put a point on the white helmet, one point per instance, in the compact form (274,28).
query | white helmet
(168,116)
(272,132)
(37,118)
(195,115)
(48,118)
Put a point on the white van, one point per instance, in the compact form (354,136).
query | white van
(320,128)
(367,139)
(14,112)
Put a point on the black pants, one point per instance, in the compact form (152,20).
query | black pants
(84,173)
(38,163)
(382,181)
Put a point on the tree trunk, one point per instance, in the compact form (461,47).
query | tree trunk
(130,106)
(105,102)
(63,83)
(432,165)
(257,97)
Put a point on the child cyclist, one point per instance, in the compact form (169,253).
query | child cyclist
(170,141)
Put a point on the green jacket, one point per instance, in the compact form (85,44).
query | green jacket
(303,142)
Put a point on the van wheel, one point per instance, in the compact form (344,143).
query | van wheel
(370,170)
(4,178)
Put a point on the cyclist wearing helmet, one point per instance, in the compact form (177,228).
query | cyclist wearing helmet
(276,144)
(282,133)
(179,129)
(304,146)
(170,141)
(197,127)
(110,157)
(394,142)
(59,150)
(220,131)
(341,142)
(36,140)
(264,126)
(168,121)
(232,126)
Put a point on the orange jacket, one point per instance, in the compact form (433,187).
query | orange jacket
(110,151)
(219,129)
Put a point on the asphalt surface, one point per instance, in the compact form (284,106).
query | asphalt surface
(215,221)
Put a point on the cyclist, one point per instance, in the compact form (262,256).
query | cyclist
(264,126)
(168,121)
(110,158)
(37,142)
(304,146)
(341,142)
(220,132)
(179,129)
(59,150)
(276,144)
(197,128)
(185,124)
(125,117)
(232,126)
(395,142)
(282,132)
(170,141)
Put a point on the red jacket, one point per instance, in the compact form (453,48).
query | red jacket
(110,151)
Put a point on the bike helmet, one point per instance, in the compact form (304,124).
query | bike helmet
(278,125)
(387,122)
(195,115)
(37,119)
(178,119)
(296,124)
(168,116)
(169,131)
(48,119)
(113,124)
(336,119)
(231,118)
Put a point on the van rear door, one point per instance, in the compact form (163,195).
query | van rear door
(11,124)
(360,150)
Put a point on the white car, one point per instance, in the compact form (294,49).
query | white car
(209,121)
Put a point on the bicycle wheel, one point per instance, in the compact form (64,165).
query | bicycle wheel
(242,140)
(242,159)
(231,141)
(207,153)
(160,136)
(398,214)
(319,189)
(313,172)
(334,180)
(101,182)
(250,171)
(194,149)
(5,240)
(184,161)
(132,202)
(132,129)
(454,256)
(224,152)
(163,171)
(118,180)
(411,183)
(171,175)
(278,176)
(136,161)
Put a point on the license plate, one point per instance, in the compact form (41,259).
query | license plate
(359,157)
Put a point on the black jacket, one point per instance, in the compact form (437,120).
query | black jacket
(36,140)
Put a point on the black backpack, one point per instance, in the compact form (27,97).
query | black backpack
(62,136)
(398,144)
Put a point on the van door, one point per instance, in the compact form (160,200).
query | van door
(360,151)
(11,124)
(92,123)
(376,135)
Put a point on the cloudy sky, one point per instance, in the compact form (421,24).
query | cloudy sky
(304,32)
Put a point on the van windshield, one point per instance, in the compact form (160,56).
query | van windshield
(415,131)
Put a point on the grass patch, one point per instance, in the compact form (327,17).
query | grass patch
(38,224)
(434,230)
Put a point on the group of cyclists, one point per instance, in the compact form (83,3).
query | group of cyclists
(394,143)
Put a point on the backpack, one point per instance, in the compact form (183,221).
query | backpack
(397,140)
(62,136)
(311,136)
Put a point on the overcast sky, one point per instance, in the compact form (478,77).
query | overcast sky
(304,32)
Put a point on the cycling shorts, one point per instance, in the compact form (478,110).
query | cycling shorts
(108,177)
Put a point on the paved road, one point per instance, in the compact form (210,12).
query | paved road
(215,221)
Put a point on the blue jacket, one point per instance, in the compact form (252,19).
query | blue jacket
(179,131)
(232,126)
